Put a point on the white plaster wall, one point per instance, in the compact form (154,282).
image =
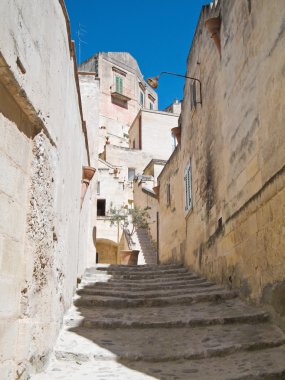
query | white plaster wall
(43,282)
(156,133)
(132,158)
(156,137)
(90,95)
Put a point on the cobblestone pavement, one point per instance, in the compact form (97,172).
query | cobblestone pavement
(166,323)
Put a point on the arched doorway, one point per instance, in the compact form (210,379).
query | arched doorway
(107,251)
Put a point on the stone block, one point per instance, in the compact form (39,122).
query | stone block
(9,298)
(13,180)
(252,167)
(11,257)
(13,218)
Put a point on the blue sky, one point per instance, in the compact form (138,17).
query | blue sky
(158,33)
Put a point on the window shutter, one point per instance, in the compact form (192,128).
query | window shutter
(188,187)
(119,84)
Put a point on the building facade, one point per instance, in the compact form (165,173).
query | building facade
(229,168)
(129,127)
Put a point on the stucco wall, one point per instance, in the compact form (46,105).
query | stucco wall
(42,151)
(236,145)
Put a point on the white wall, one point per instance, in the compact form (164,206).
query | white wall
(40,182)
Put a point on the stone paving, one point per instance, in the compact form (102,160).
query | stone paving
(166,323)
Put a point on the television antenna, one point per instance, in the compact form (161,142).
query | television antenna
(80,33)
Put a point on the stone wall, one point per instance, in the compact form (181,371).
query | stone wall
(172,235)
(235,140)
(43,146)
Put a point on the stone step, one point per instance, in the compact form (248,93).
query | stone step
(164,344)
(146,271)
(145,288)
(133,267)
(196,314)
(188,298)
(141,284)
(145,278)
(267,364)
(113,291)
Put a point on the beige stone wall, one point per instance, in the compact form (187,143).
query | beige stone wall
(172,235)
(42,150)
(236,145)
(107,252)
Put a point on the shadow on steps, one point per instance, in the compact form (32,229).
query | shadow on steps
(168,323)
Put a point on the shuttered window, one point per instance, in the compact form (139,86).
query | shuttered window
(119,84)
(141,98)
(188,188)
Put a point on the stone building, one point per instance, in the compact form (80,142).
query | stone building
(44,223)
(225,182)
(123,92)
(128,125)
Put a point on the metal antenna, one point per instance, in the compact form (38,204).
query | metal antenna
(80,33)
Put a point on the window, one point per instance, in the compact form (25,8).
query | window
(98,188)
(134,144)
(150,105)
(131,174)
(101,207)
(141,98)
(168,195)
(119,84)
(188,187)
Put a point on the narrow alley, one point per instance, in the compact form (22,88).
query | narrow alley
(142,190)
(163,322)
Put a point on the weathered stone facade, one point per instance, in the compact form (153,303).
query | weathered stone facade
(235,141)
(43,146)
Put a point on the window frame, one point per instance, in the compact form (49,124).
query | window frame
(119,84)
(141,98)
(188,197)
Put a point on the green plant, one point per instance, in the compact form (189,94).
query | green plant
(139,218)
(123,217)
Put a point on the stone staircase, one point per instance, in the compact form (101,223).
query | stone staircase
(166,323)
(148,253)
